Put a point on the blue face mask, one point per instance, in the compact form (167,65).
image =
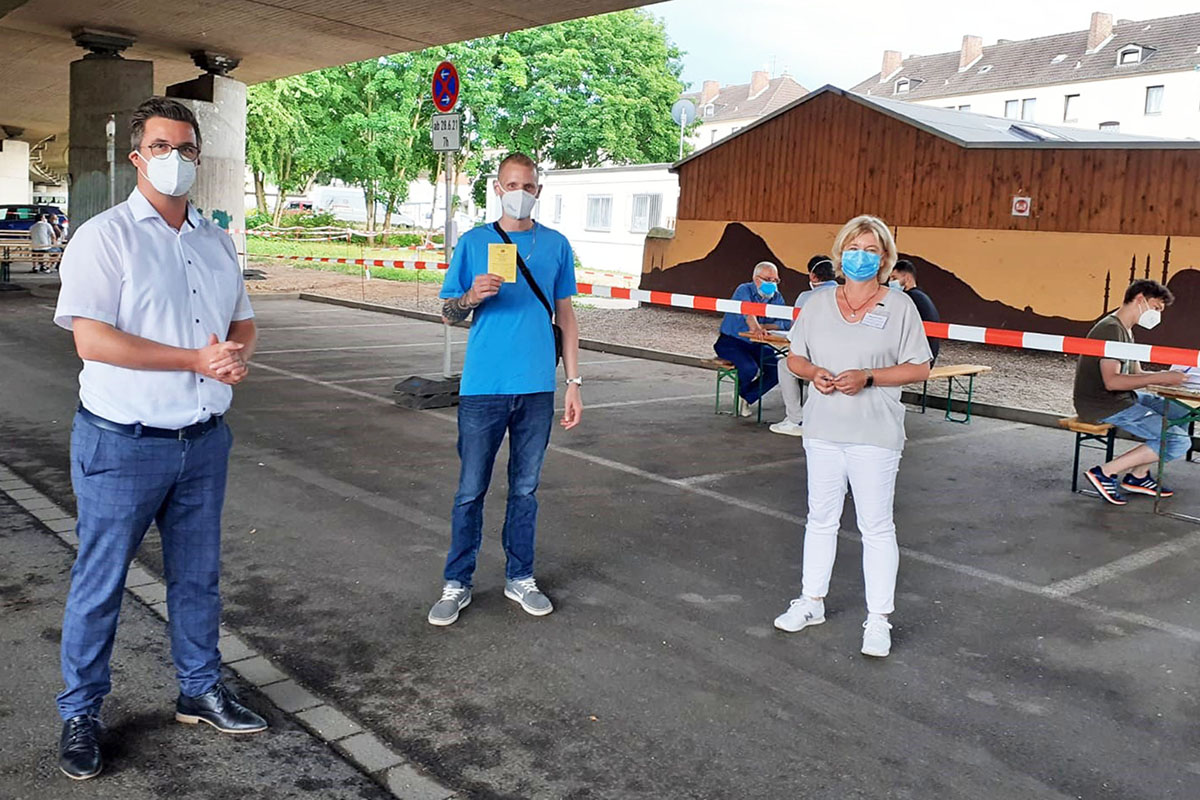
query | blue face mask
(860,265)
(767,289)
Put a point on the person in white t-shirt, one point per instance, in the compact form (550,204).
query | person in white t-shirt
(857,345)
(44,241)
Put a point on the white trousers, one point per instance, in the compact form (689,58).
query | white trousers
(871,472)
(793,393)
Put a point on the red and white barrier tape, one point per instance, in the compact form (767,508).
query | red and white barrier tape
(363,262)
(1072,345)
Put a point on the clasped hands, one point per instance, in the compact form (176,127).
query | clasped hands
(222,361)
(848,382)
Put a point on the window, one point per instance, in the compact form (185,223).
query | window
(903,85)
(1129,55)
(713,137)
(1012,108)
(647,208)
(557,208)
(1154,98)
(1058,59)
(599,212)
(967,107)
(1071,108)
(1111,127)
(1028,105)
(709,110)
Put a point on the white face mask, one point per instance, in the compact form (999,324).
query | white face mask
(518,203)
(1150,318)
(897,285)
(171,175)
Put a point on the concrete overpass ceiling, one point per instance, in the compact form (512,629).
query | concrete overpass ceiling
(273,38)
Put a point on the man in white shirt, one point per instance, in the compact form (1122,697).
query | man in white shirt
(154,296)
(41,233)
(820,277)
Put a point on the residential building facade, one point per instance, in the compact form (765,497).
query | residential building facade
(725,110)
(1141,78)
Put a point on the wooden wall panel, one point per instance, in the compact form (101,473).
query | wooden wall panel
(831,158)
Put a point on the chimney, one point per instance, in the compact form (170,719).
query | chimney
(972,51)
(709,92)
(1100,31)
(892,61)
(758,82)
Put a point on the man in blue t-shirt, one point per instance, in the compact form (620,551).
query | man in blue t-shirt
(745,354)
(508,379)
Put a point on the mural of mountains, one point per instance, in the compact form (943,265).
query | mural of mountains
(731,261)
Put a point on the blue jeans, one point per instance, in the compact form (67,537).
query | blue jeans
(1143,420)
(122,484)
(745,356)
(482,423)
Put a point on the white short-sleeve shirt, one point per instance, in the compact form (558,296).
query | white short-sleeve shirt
(127,267)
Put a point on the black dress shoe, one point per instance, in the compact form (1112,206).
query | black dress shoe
(221,709)
(79,748)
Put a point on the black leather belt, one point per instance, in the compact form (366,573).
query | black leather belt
(139,430)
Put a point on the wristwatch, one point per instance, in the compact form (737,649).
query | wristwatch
(578,381)
(870,378)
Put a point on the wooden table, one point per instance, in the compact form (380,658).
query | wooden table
(1188,400)
(954,373)
(777,341)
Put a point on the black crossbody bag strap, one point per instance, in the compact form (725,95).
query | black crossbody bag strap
(537,291)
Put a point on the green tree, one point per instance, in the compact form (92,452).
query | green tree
(286,140)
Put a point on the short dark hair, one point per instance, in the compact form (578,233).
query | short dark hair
(517,158)
(821,268)
(904,265)
(1151,290)
(163,107)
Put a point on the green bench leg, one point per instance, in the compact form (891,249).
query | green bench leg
(950,382)
(731,376)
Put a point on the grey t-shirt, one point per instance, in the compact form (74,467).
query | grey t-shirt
(891,333)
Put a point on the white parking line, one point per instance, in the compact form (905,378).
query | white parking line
(1047,592)
(351,347)
(1122,566)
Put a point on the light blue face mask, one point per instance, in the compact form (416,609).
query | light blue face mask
(860,265)
(767,289)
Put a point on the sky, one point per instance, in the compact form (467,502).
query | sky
(825,41)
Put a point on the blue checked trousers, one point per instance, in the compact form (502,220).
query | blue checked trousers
(122,484)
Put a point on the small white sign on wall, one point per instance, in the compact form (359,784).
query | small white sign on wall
(1021,206)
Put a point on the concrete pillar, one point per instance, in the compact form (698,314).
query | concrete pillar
(102,83)
(14,172)
(219,103)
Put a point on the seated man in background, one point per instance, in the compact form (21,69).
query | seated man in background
(1106,392)
(45,240)
(745,354)
(820,278)
(904,277)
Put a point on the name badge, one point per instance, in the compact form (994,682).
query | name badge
(502,261)
(876,319)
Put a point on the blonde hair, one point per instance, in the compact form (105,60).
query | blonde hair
(867,224)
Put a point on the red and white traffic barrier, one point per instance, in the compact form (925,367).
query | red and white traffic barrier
(362,262)
(1072,345)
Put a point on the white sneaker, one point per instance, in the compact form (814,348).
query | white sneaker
(802,612)
(877,637)
(788,428)
(746,409)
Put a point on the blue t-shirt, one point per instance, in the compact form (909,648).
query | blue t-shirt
(734,324)
(510,349)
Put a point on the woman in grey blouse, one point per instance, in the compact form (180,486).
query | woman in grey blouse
(857,345)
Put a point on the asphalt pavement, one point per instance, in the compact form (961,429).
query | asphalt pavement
(1045,643)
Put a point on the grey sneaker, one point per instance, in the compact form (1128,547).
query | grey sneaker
(526,592)
(455,597)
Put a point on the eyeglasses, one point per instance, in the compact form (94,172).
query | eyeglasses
(188,152)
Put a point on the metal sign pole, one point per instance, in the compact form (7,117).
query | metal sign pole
(447,247)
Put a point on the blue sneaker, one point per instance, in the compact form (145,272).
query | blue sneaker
(1108,486)
(1144,485)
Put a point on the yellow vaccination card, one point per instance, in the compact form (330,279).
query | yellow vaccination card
(502,261)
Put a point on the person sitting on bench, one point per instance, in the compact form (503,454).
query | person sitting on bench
(745,354)
(1106,391)
(44,240)
(904,278)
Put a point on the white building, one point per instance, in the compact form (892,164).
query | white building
(606,212)
(1130,77)
(725,110)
